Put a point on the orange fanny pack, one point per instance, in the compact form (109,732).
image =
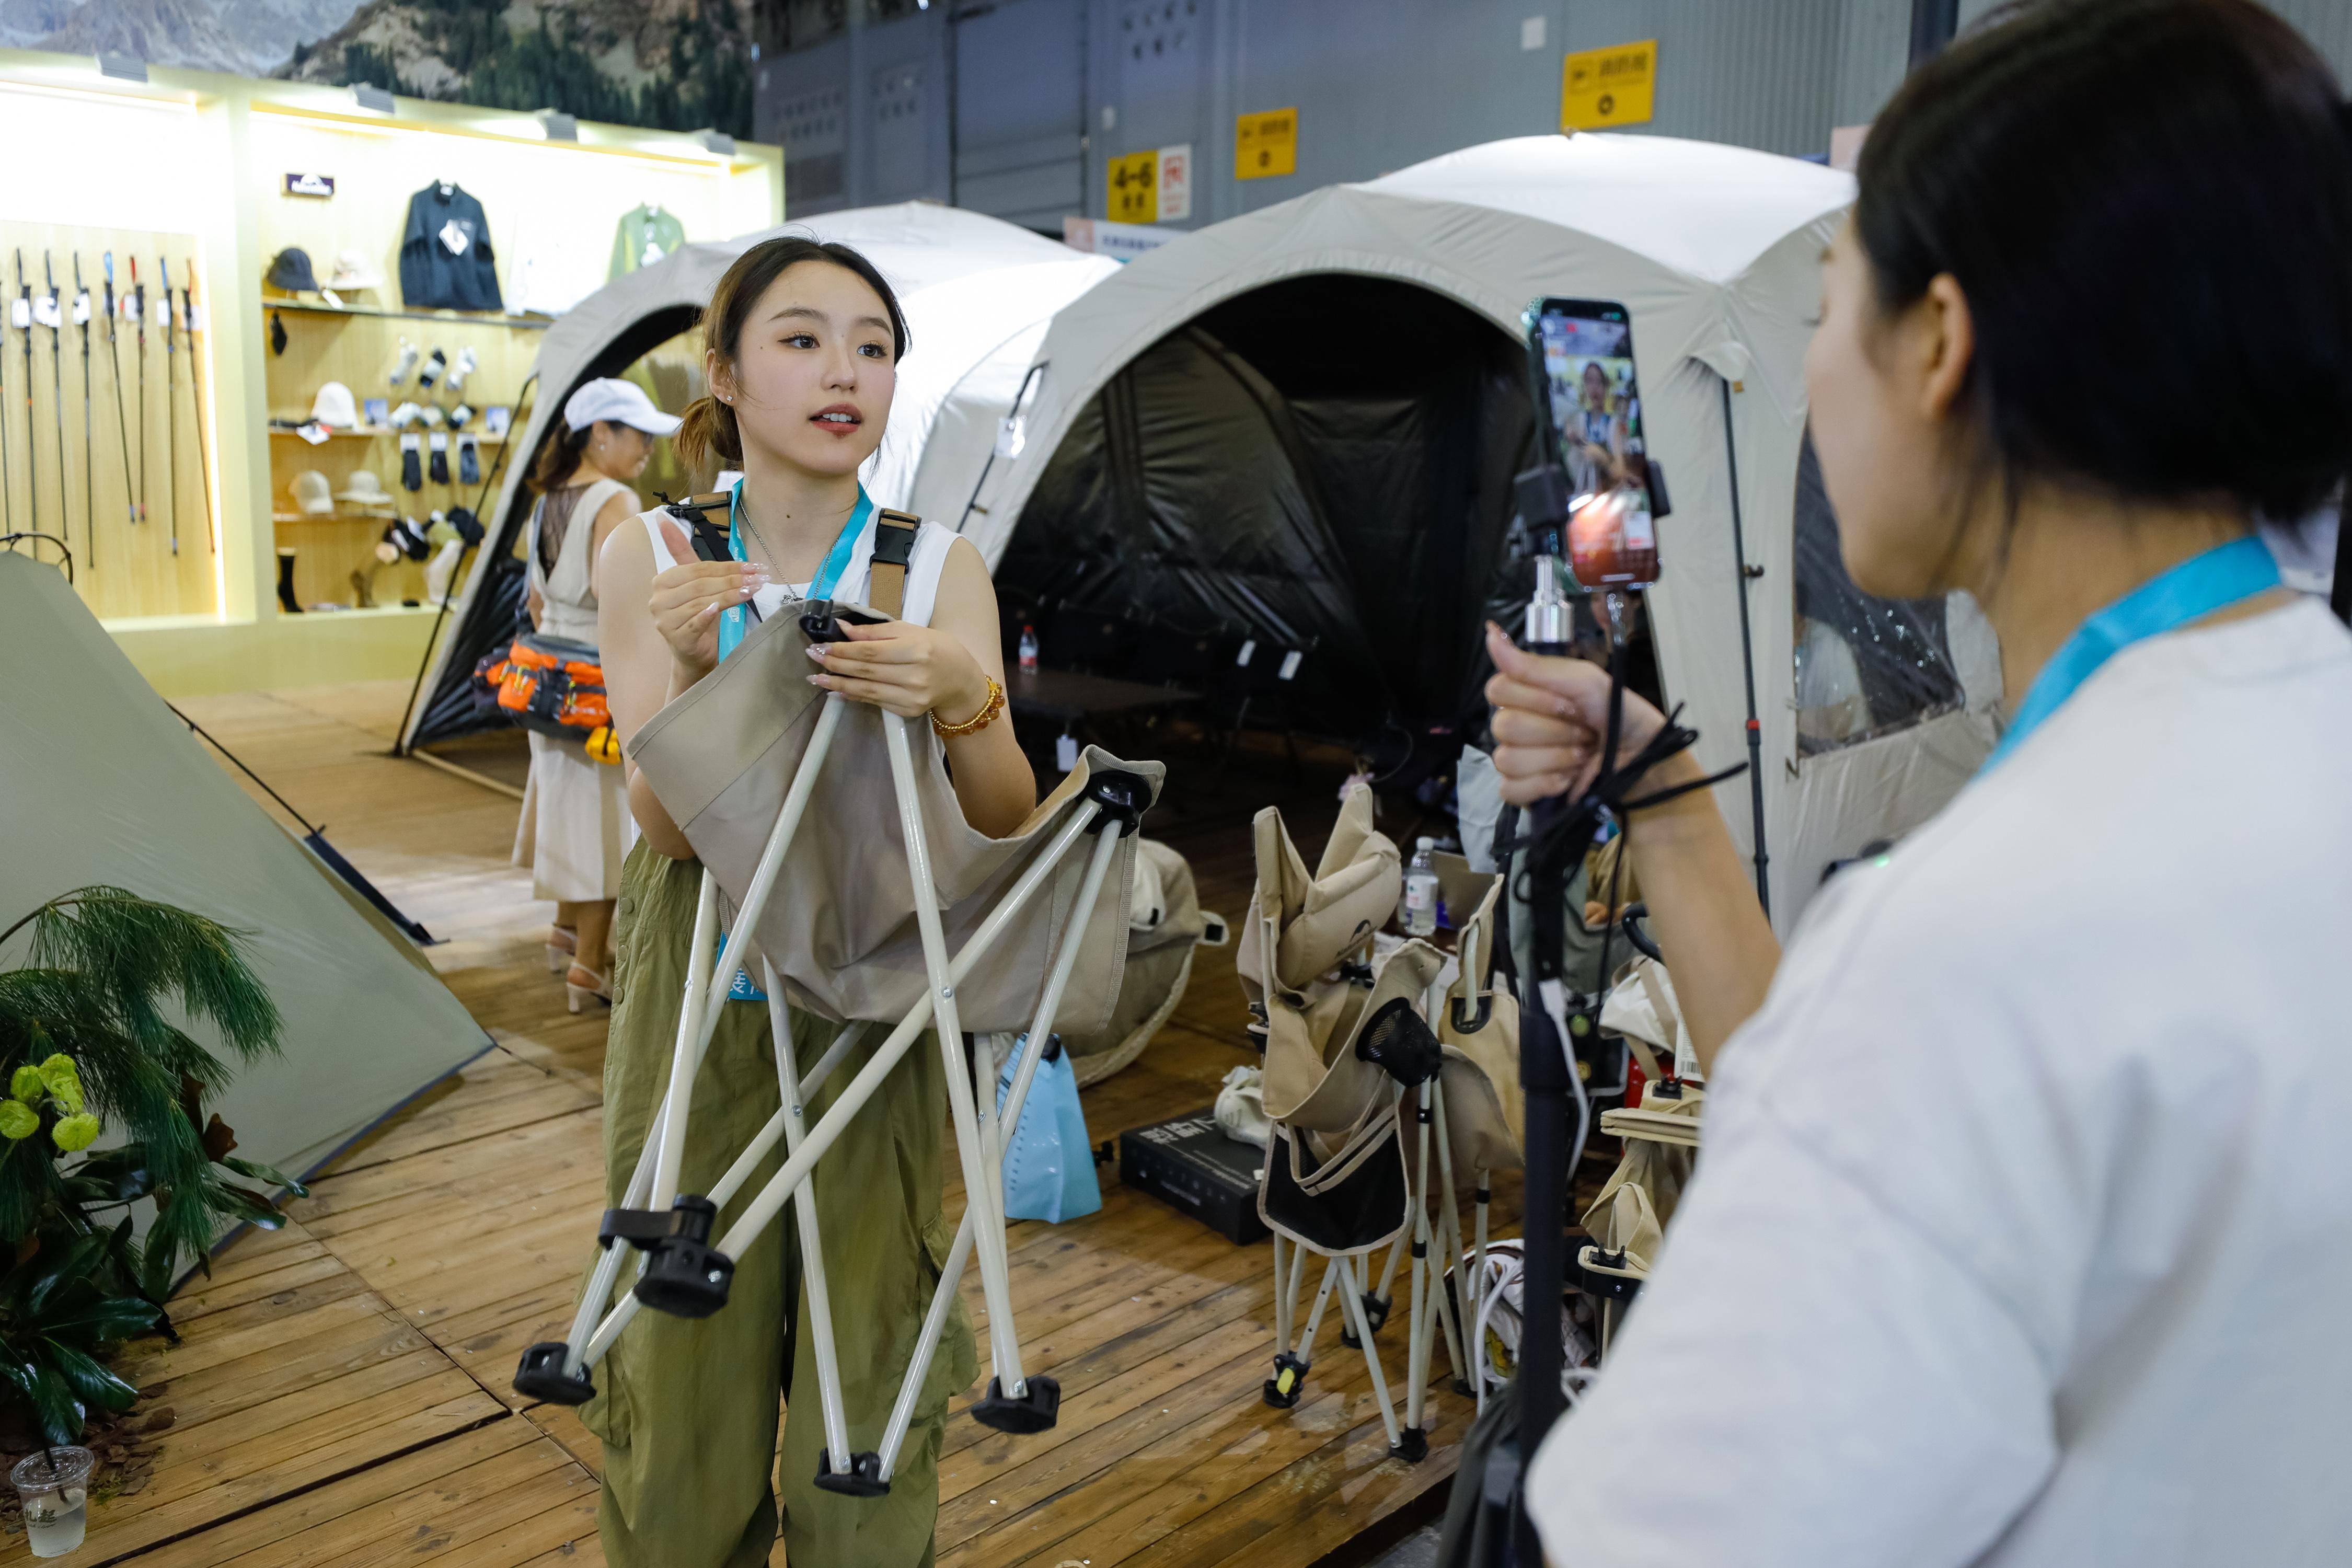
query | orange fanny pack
(555,685)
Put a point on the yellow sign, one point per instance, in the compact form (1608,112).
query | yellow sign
(1134,188)
(1602,88)
(1266,144)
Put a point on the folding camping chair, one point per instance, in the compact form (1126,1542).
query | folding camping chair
(885,917)
(1346,1042)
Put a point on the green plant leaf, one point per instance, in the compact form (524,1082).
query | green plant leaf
(26,1084)
(114,1318)
(122,1170)
(64,1081)
(75,1133)
(18,1119)
(60,1413)
(92,1382)
(255,1208)
(261,1172)
(64,1264)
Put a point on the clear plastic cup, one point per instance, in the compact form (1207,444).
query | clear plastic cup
(55,1484)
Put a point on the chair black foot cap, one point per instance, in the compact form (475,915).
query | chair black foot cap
(1376,1310)
(1290,1376)
(1412,1446)
(1035,1412)
(541,1376)
(863,1479)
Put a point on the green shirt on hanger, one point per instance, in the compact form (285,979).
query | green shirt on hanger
(646,235)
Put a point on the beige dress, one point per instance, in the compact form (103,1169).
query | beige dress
(575,828)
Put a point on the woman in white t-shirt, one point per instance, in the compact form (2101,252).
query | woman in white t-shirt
(2024,1230)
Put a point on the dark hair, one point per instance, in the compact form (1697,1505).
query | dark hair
(2148,205)
(560,458)
(709,429)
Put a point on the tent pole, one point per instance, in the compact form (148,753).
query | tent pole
(1748,657)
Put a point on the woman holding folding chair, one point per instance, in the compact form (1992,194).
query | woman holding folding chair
(2023,1227)
(803,343)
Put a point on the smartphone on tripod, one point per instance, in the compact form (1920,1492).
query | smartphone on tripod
(1580,353)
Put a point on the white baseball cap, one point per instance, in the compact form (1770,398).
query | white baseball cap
(335,406)
(621,402)
(313,492)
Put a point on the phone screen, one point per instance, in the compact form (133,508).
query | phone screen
(1583,350)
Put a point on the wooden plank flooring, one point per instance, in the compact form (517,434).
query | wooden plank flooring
(340,1392)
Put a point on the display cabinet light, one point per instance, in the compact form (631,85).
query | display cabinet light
(374,99)
(559,126)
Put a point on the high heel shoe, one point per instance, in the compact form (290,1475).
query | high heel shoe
(583,985)
(563,941)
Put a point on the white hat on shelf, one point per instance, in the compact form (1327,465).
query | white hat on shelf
(312,493)
(352,271)
(334,406)
(365,489)
(620,403)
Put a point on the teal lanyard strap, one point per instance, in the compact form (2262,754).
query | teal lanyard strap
(2199,585)
(735,622)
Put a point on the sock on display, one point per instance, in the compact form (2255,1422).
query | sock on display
(286,599)
(469,460)
(278,342)
(434,363)
(403,363)
(462,367)
(440,466)
(411,463)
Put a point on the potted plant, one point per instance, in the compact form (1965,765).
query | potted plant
(92,1045)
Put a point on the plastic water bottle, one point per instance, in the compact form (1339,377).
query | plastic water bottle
(1417,913)
(1028,651)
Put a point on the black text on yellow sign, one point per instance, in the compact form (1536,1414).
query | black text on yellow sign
(1266,144)
(1134,186)
(1601,87)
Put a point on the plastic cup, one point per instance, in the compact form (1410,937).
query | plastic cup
(55,1484)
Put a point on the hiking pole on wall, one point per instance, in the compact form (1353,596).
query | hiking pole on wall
(88,478)
(137,305)
(171,404)
(190,319)
(24,321)
(56,325)
(131,504)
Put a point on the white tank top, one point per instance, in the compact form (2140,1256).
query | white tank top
(924,564)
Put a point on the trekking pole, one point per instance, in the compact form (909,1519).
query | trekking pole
(25,319)
(57,397)
(139,318)
(171,404)
(88,478)
(130,503)
(197,397)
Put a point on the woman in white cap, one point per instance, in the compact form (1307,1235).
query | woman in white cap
(575,825)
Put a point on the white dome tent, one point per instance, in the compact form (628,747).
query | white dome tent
(1715,251)
(976,291)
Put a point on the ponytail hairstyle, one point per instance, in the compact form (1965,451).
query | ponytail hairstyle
(560,458)
(710,437)
(2149,206)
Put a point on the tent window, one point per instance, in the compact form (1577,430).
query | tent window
(1865,666)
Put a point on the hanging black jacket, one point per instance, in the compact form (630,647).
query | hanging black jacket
(445,262)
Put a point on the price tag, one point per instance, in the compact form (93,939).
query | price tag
(131,307)
(1241,660)
(1066,753)
(1290,664)
(81,308)
(45,311)
(20,313)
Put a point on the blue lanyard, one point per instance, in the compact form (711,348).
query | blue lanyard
(2196,587)
(734,623)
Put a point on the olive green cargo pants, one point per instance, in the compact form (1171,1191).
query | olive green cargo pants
(687,1410)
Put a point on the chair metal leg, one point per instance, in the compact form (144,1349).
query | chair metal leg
(1418,1334)
(1350,1285)
(820,1301)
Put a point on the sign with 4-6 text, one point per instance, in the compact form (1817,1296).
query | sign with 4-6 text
(1134,185)
(1602,88)
(1266,144)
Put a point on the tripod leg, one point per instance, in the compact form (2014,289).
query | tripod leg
(1417,1336)
(1285,1295)
(1352,1303)
(1332,1274)
(1449,1238)
(669,1155)
(1477,1308)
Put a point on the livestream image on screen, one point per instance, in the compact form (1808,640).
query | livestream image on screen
(1596,409)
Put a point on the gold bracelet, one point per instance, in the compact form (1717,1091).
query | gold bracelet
(978,722)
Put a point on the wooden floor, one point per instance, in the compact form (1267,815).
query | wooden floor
(340,1394)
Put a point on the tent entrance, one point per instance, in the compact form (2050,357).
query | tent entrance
(1324,463)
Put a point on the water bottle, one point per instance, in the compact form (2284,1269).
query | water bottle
(1028,651)
(1417,913)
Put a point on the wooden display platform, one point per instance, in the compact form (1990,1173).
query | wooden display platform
(342,1396)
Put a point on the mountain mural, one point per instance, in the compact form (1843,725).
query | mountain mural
(668,65)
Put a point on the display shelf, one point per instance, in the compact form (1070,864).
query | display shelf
(373,432)
(384,313)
